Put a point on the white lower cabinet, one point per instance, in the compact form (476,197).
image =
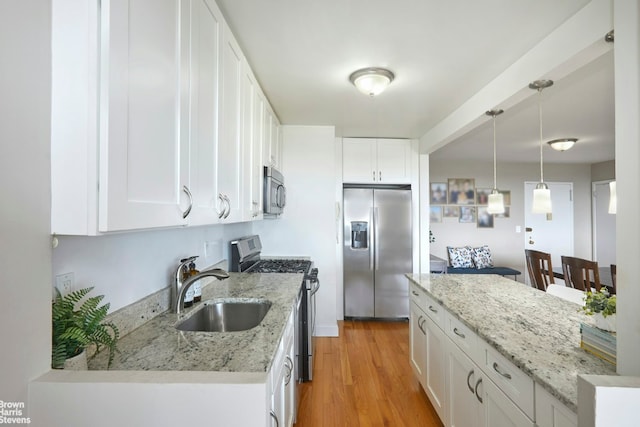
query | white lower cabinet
(550,412)
(282,381)
(469,383)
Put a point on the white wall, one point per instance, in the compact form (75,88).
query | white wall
(506,245)
(126,267)
(308,225)
(25,251)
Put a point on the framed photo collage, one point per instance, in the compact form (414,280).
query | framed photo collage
(459,198)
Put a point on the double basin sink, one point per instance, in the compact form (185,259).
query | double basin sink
(226,316)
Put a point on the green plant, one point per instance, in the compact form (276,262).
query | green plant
(432,238)
(600,302)
(78,323)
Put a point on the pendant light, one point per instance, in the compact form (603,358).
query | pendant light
(541,194)
(613,198)
(496,199)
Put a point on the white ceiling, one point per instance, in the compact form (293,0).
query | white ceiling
(442,52)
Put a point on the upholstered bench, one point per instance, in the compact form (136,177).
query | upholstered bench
(468,260)
(502,271)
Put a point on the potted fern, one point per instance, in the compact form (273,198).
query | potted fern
(79,322)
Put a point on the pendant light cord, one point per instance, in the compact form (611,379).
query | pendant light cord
(540,119)
(495,183)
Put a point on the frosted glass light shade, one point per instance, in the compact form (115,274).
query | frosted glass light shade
(371,81)
(613,198)
(496,203)
(541,199)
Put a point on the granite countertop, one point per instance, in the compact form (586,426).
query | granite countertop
(158,346)
(539,333)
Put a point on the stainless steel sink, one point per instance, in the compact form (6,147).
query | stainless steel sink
(226,316)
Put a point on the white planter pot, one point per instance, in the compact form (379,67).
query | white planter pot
(77,363)
(605,323)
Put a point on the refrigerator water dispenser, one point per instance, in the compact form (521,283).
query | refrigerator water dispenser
(359,234)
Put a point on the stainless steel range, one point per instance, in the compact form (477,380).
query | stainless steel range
(246,257)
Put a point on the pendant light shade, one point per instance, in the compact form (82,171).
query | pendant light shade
(496,199)
(613,198)
(371,81)
(541,194)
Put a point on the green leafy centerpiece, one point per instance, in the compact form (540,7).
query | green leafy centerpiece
(79,322)
(602,306)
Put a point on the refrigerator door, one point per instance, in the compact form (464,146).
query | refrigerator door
(393,252)
(358,253)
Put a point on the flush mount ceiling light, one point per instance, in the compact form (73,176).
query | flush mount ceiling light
(371,81)
(562,144)
(541,194)
(496,199)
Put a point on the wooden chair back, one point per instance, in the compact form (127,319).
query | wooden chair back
(581,273)
(540,269)
(613,276)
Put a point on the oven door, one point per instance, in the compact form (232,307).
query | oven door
(298,343)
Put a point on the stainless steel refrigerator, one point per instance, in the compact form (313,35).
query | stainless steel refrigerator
(377,252)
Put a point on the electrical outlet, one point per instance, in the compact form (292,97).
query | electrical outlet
(65,282)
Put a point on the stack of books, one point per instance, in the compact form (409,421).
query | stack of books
(599,342)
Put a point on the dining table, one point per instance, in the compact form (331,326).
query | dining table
(603,272)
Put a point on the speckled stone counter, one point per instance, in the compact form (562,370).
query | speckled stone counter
(539,333)
(158,346)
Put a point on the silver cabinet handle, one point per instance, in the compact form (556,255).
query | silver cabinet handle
(433,310)
(380,176)
(504,374)
(221,214)
(476,389)
(228,207)
(374,175)
(469,384)
(460,334)
(188,211)
(415,293)
(273,415)
(288,363)
(420,324)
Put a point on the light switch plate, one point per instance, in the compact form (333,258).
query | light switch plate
(65,283)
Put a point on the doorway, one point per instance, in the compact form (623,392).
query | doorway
(550,233)
(604,225)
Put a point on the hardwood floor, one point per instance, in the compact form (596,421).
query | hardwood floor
(363,378)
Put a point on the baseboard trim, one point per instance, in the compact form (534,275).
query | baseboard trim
(327,330)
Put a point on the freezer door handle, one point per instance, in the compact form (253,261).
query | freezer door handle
(375,232)
(372,238)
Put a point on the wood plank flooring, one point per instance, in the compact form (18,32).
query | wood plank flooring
(363,378)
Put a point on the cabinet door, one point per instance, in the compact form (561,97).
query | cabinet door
(435,369)
(206,29)
(462,378)
(271,141)
(229,151)
(142,103)
(359,160)
(252,117)
(498,409)
(417,342)
(394,161)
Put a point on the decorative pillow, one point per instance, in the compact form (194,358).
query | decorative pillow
(482,257)
(460,257)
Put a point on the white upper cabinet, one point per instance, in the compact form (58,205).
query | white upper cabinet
(154,109)
(141,99)
(272,140)
(230,148)
(252,125)
(381,161)
(201,133)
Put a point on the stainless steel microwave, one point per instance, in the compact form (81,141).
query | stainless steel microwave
(275,194)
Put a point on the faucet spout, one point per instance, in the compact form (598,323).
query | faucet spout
(218,273)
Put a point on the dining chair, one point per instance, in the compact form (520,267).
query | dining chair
(613,277)
(539,267)
(581,273)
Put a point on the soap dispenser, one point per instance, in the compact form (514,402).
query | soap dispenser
(197,288)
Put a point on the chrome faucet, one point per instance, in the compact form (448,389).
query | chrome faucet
(218,273)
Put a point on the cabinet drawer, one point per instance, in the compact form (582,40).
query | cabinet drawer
(463,337)
(435,312)
(517,385)
(418,296)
